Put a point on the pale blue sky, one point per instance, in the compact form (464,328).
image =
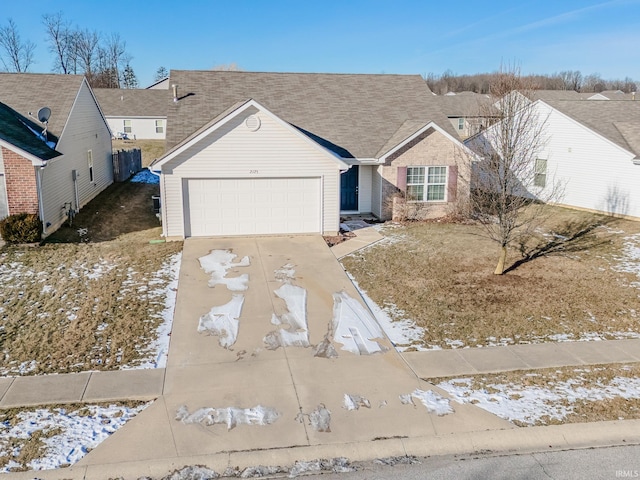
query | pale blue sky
(355,36)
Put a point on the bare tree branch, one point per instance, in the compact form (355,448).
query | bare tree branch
(60,38)
(18,55)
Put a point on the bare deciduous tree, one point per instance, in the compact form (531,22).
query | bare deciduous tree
(571,80)
(18,54)
(511,186)
(60,38)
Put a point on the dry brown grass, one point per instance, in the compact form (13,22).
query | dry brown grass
(95,304)
(151,149)
(441,276)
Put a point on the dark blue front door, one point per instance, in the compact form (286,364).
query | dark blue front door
(349,189)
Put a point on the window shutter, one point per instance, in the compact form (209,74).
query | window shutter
(452,183)
(401,181)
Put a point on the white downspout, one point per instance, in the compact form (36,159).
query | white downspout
(39,172)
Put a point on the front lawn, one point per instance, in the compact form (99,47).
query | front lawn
(582,286)
(96,296)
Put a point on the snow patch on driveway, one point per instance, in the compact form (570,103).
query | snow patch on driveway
(295,331)
(223,321)
(354,327)
(218,262)
(229,416)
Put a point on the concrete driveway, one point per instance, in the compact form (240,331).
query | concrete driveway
(302,388)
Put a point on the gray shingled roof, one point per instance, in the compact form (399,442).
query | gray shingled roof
(354,115)
(28,92)
(618,121)
(465,104)
(19,131)
(116,102)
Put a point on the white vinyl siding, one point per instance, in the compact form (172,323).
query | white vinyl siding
(234,151)
(85,130)
(364,188)
(595,174)
(376,191)
(142,128)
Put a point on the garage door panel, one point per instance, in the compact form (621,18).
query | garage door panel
(252,206)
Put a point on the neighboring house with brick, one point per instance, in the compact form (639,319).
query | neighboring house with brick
(276,153)
(135,113)
(60,170)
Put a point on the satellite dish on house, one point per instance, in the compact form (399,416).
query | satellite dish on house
(43,114)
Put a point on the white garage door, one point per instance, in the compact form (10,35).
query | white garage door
(253,206)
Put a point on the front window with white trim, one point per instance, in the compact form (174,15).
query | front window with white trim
(426,184)
(126,126)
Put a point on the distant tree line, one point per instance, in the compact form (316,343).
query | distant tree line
(102,58)
(566,80)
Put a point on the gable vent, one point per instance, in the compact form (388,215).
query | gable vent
(252,123)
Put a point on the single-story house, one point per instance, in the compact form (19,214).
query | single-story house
(276,153)
(49,168)
(135,113)
(593,150)
(590,153)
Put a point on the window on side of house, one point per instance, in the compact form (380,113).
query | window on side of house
(461,124)
(127,126)
(540,173)
(159,126)
(90,164)
(426,184)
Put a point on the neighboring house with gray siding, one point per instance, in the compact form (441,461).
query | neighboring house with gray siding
(72,166)
(274,153)
(135,113)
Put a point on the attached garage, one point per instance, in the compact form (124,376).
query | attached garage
(252,206)
(248,172)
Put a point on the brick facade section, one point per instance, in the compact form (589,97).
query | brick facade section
(20,178)
(431,148)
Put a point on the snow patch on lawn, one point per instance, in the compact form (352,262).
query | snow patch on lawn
(73,433)
(218,262)
(432,401)
(166,280)
(630,260)
(223,321)
(534,404)
(229,416)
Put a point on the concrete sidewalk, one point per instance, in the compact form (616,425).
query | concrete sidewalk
(471,361)
(82,387)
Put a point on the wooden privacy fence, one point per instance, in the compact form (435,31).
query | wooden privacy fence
(126,163)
